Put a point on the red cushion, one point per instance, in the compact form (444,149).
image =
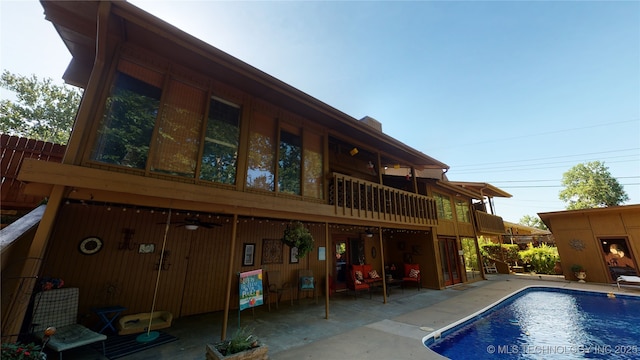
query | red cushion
(408,267)
(366,269)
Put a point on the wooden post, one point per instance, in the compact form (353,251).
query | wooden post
(230,277)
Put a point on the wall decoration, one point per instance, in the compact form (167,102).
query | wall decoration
(576,244)
(373,252)
(248,254)
(271,251)
(293,255)
(322,253)
(146,248)
(90,245)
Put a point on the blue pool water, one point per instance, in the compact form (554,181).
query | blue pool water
(548,323)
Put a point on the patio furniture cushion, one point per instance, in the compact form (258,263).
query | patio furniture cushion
(138,323)
(628,279)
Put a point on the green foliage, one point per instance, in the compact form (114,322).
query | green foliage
(576,268)
(591,185)
(542,259)
(504,252)
(20,351)
(532,221)
(42,110)
(296,235)
(242,340)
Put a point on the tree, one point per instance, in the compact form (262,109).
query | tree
(591,185)
(42,110)
(532,221)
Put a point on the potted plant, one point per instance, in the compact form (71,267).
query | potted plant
(243,345)
(297,235)
(579,272)
(19,350)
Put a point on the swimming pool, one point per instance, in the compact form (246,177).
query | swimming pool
(550,323)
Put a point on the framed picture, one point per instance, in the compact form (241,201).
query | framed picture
(248,254)
(293,255)
(271,251)
(322,253)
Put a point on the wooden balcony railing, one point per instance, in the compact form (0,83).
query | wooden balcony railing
(357,198)
(487,223)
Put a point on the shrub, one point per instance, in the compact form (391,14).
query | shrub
(542,259)
(505,252)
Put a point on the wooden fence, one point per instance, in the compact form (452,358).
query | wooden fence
(14,150)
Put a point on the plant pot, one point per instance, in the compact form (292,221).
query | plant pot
(558,268)
(581,276)
(257,353)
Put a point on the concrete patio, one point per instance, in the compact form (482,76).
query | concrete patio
(359,328)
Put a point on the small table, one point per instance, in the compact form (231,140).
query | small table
(108,315)
(394,283)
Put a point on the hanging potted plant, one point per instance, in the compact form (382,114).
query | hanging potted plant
(243,345)
(296,235)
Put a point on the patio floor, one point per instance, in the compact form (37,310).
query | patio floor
(356,329)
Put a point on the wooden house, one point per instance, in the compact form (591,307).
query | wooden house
(604,241)
(188,163)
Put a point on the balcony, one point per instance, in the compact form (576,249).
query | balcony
(488,224)
(361,199)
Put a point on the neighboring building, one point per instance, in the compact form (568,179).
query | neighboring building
(187,161)
(523,235)
(605,241)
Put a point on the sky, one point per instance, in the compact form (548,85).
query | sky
(513,93)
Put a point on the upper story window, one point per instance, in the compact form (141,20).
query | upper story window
(312,166)
(125,132)
(221,140)
(462,211)
(443,203)
(176,145)
(289,163)
(261,156)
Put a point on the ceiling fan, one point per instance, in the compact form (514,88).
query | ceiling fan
(193,223)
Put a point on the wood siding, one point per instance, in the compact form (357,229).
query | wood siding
(193,280)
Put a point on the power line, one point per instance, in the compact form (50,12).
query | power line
(547,158)
(525,167)
(520,181)
(528,136)
(548,186)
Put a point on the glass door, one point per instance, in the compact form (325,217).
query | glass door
(449,261)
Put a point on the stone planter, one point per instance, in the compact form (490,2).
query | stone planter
(581,275)
(258,353)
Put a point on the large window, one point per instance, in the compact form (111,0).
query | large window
(312,170)
(462,211)
(177,143)
(443,203)
(130,115)
(220,155)
(289,163)
(261,157)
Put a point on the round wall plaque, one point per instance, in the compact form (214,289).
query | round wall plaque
(90,245)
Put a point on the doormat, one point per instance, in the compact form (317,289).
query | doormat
(117,346)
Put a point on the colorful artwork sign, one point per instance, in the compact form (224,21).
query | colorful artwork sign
(251,294)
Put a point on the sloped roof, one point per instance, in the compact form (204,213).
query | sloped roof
(482,189)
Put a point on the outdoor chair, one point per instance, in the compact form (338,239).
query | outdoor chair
(412,275)
(307,283)
(356,282)
(276,287)
(627,279)
(490,268)
(59,308)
